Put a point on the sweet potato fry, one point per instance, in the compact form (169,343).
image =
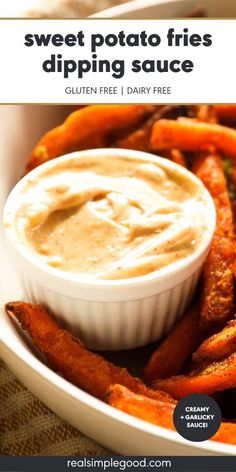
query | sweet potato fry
(88,127)
(158,412)
(226,113)
(142,407)
(234,265)
(175,156)
(192,135)
(178,157)
(174,351)
(217,299)
(209,169)
(206,113)
(218,346)
(226,433)
(65,354)
(213,378)
(138,140)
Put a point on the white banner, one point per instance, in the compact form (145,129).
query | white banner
(114,61)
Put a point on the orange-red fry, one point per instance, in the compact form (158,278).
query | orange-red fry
(158,412)
(172,354)
(86,128)
(226,113)
(209,169)
(218,346)
(65,354)
(206,113)
(218,284)
(215,377)
(142,407)
(226,433)
(175,155)
(138,140)
(192,135)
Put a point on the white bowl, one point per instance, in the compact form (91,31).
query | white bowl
(92,417)
(160,9)
(110,314)
(21,127)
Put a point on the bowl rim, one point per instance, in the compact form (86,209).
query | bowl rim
(136,5)
(172,270)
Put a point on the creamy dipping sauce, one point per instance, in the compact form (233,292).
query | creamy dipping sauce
(111,217)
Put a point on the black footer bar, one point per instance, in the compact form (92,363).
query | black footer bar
(118,463)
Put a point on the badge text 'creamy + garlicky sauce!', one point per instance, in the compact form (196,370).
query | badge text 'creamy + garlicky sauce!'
(111,217)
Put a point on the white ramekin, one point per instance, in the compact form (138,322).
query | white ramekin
(110,314)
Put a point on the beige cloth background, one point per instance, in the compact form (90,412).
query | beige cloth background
(27,427)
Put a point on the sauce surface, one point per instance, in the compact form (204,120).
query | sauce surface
(109,217)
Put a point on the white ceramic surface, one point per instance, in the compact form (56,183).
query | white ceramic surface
(169,9)
(18,133)
(110,314)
